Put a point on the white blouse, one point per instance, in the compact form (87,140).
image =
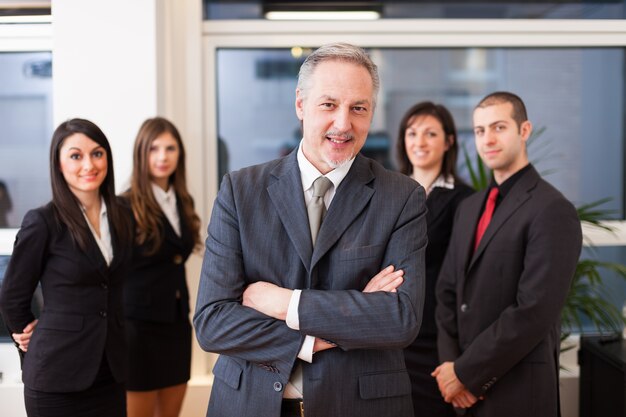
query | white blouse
(167,202)
(104,240)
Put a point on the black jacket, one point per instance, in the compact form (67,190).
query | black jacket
(82,318)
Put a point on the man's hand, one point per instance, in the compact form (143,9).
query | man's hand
(321,345)
(23,339)
(464,399)
(449,385)
(386,280)
(267,298)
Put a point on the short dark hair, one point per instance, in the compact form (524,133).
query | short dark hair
(66,205)
(439,112)
(519,109)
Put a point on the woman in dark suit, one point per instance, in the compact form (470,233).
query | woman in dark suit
(156,298)
(74,356)
(427,151)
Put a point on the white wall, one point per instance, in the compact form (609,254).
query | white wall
(105,69)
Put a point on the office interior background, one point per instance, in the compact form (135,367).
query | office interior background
(225,74)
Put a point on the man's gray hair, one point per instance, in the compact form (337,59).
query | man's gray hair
(344,52)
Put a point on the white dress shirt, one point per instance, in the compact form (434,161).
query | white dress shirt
(308,174)
(167,202)
(104,240)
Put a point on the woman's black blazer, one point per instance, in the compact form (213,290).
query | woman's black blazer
(156,288)
(82,316)
(442,204)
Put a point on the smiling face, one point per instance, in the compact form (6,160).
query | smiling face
(425,143)
(336,113)
(83,164)
(500,142)
(163,159)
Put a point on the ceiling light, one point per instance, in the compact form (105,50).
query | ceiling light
(322,10)
(322,15)
(26,19)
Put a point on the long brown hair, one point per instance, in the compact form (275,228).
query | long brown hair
(439,112)
(147,212)
(66,205)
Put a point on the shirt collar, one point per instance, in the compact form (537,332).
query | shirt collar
(309,173)
(443,182)
(508,184)
(164,197)
(103,208)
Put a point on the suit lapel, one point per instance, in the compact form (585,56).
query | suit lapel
(184,242)
(94,255)
(169,233)
(436,205)
(468,219)
(288,199)
(118,250)
(518,195)
(345,207)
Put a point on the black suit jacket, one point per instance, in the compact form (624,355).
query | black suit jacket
(498,311)
(82,317)
(442,204)
(155,281)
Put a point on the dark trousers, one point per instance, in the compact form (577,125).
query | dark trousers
(421,359)
(291,408)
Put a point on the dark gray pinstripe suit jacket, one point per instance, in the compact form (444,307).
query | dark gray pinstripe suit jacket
(259,231)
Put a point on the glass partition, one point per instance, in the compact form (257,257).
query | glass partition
(26,120)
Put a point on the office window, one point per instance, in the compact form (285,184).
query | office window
(4,334)
(26,120)
(502,9)
(575,96)
(613,285)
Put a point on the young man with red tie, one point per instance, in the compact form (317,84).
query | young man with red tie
(505,278)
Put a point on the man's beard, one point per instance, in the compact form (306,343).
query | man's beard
(336,163)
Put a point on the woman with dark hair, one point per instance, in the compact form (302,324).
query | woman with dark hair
(75,246)
(427,151)
(156,298)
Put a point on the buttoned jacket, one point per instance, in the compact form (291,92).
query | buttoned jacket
(82,317)
(259,231)
(498,311)
(156,288)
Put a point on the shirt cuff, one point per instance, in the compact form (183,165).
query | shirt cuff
(306,351)
(293,319)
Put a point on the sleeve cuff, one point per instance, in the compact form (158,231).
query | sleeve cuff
(306,351)
(293,319)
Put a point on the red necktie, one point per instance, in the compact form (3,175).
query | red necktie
(486,217)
